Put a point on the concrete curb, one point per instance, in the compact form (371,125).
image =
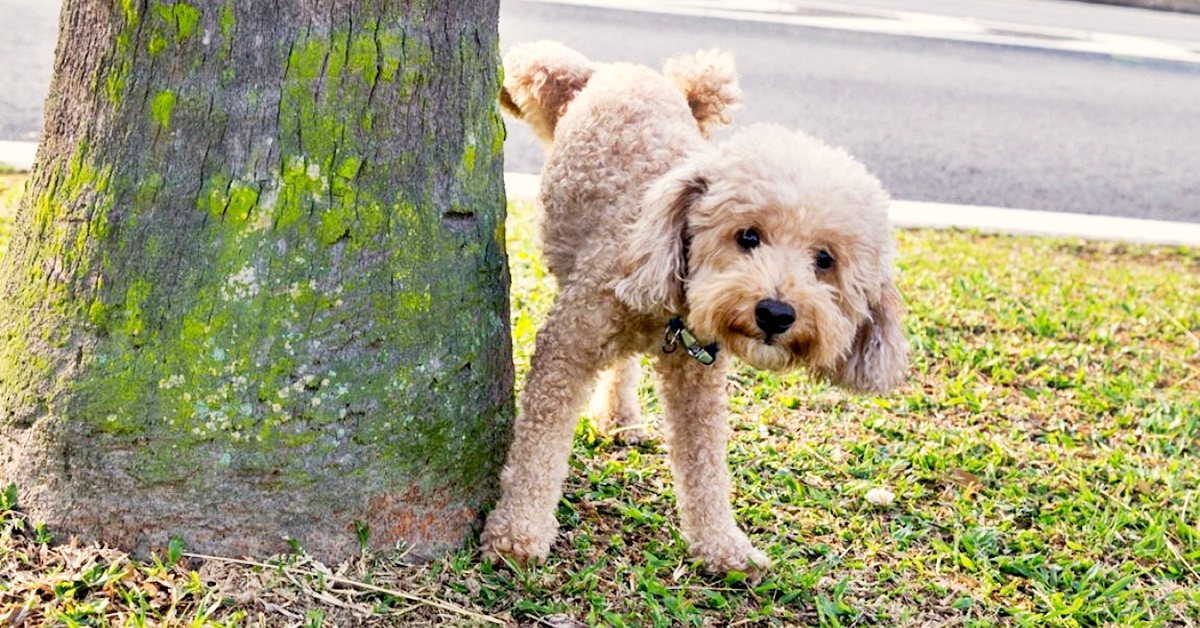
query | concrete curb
(18,155)
(917,215)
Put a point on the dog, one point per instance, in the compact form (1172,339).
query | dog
(771,246)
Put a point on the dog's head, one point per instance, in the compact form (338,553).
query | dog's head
(778,247)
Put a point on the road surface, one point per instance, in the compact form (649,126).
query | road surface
(936,120)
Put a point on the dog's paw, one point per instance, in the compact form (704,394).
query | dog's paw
(503,540)
(751,561)
(732,552)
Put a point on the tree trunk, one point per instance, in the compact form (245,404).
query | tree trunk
(257,288)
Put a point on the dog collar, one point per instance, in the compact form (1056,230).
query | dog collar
(678,333)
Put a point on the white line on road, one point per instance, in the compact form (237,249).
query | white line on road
(830,15)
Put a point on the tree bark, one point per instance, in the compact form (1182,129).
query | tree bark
(257,288)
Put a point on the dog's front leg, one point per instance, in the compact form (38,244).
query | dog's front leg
(697,431)
(561,372)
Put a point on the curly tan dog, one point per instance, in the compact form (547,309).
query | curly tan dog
(771,246)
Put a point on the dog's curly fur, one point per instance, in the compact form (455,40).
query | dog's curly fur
(771,244)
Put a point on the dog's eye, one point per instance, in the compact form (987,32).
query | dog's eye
(748,239)
(823,260)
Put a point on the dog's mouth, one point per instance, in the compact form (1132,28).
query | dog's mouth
(777,352)
(799,345)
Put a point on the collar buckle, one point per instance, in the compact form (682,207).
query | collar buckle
(677,333)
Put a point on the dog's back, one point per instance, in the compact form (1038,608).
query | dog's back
(609,130)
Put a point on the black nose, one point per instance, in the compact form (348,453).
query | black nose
(774,317)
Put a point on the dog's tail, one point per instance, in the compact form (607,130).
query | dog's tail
(708,79)
(540,80)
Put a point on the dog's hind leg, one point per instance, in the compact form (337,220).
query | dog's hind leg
(615,404)
(696,431)
(561,372)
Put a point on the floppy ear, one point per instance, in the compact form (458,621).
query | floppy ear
(878,359)
(654,262)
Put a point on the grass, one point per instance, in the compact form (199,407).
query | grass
(1044,458)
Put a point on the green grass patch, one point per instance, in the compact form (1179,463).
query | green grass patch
(1043,456)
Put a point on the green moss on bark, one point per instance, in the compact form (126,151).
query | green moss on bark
(180,16)
(162,106)
(242,372)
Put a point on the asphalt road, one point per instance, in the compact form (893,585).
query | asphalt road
(937,120)
(28,34)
